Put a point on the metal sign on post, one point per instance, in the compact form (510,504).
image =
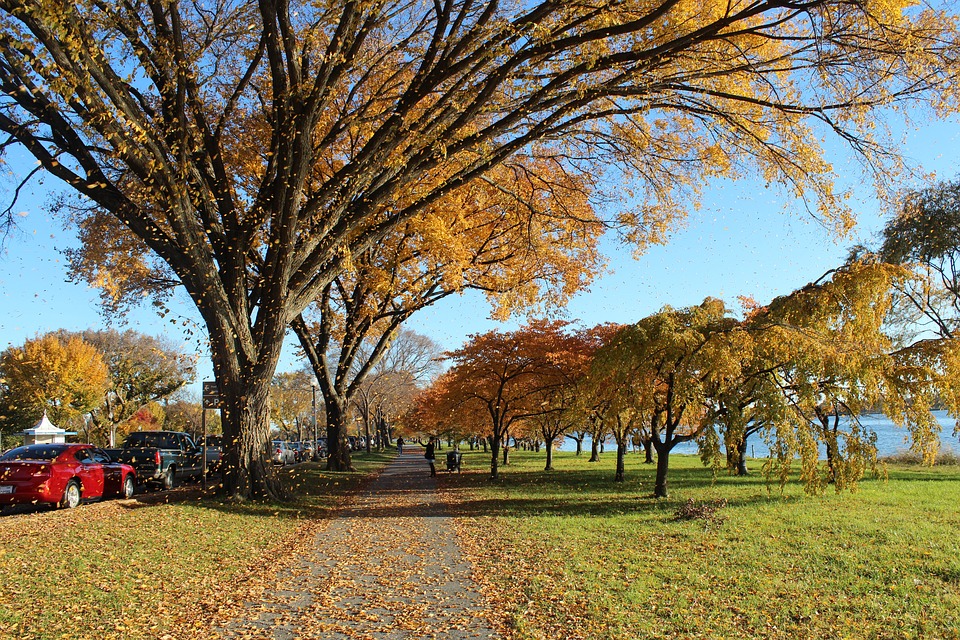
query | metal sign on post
(209,400)
(211,395)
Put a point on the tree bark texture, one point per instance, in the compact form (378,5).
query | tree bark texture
(338,454)
(648,451)
(621,457)
(594,451)
(663,465)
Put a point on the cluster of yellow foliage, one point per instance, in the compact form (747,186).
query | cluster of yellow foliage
(63,378)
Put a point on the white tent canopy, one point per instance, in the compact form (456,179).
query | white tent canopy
(44,432)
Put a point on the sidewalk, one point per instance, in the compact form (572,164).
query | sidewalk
(387,568)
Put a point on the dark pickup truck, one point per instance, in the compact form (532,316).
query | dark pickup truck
(164,457)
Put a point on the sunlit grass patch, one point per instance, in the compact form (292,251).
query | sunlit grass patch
(143,568)
(573,554)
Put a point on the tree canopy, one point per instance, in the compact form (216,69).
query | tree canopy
(255,147)
(141,369)
(64,377)
(500,380)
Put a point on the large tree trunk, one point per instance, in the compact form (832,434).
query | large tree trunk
(248,472)
(243,377)
(621,456)
(338,455)
(594,451)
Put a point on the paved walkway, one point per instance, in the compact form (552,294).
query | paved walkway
(387,568)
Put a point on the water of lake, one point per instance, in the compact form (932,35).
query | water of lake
(890,438)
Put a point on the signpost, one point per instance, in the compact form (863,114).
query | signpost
(210,400)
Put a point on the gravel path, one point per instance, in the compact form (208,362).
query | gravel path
(387,568)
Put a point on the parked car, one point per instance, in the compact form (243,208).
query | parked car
(163,457)
(283,453)
(62,475)
(306,450)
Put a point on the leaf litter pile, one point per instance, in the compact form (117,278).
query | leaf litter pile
(177,566)
(119,567)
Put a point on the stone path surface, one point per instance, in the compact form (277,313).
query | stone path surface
(387,568)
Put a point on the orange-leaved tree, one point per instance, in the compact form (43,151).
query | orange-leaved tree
(566,404)
(501,235)
(509,377)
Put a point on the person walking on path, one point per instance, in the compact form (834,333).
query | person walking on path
(431,456)
(399,446)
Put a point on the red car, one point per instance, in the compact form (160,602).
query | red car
(62,474)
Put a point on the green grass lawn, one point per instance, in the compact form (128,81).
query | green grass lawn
(146,568)
(571,554)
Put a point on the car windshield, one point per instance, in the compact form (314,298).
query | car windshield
(148,439)
(34,452)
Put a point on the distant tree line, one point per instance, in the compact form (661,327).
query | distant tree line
(877,333)
(102,384)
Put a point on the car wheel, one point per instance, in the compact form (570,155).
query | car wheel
(71,495)
(128,487)
(170,479)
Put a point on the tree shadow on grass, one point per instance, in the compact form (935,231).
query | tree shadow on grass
(406,491)
(314,493)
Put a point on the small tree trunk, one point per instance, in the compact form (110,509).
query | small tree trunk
(742,458)
(621,456)
(549,445)
(648,451)
(833,449)
(594,451)
(663,465)
(579,442)
(506,455)
(366,434)
(494,457)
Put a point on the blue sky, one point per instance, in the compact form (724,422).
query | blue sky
(741,242)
